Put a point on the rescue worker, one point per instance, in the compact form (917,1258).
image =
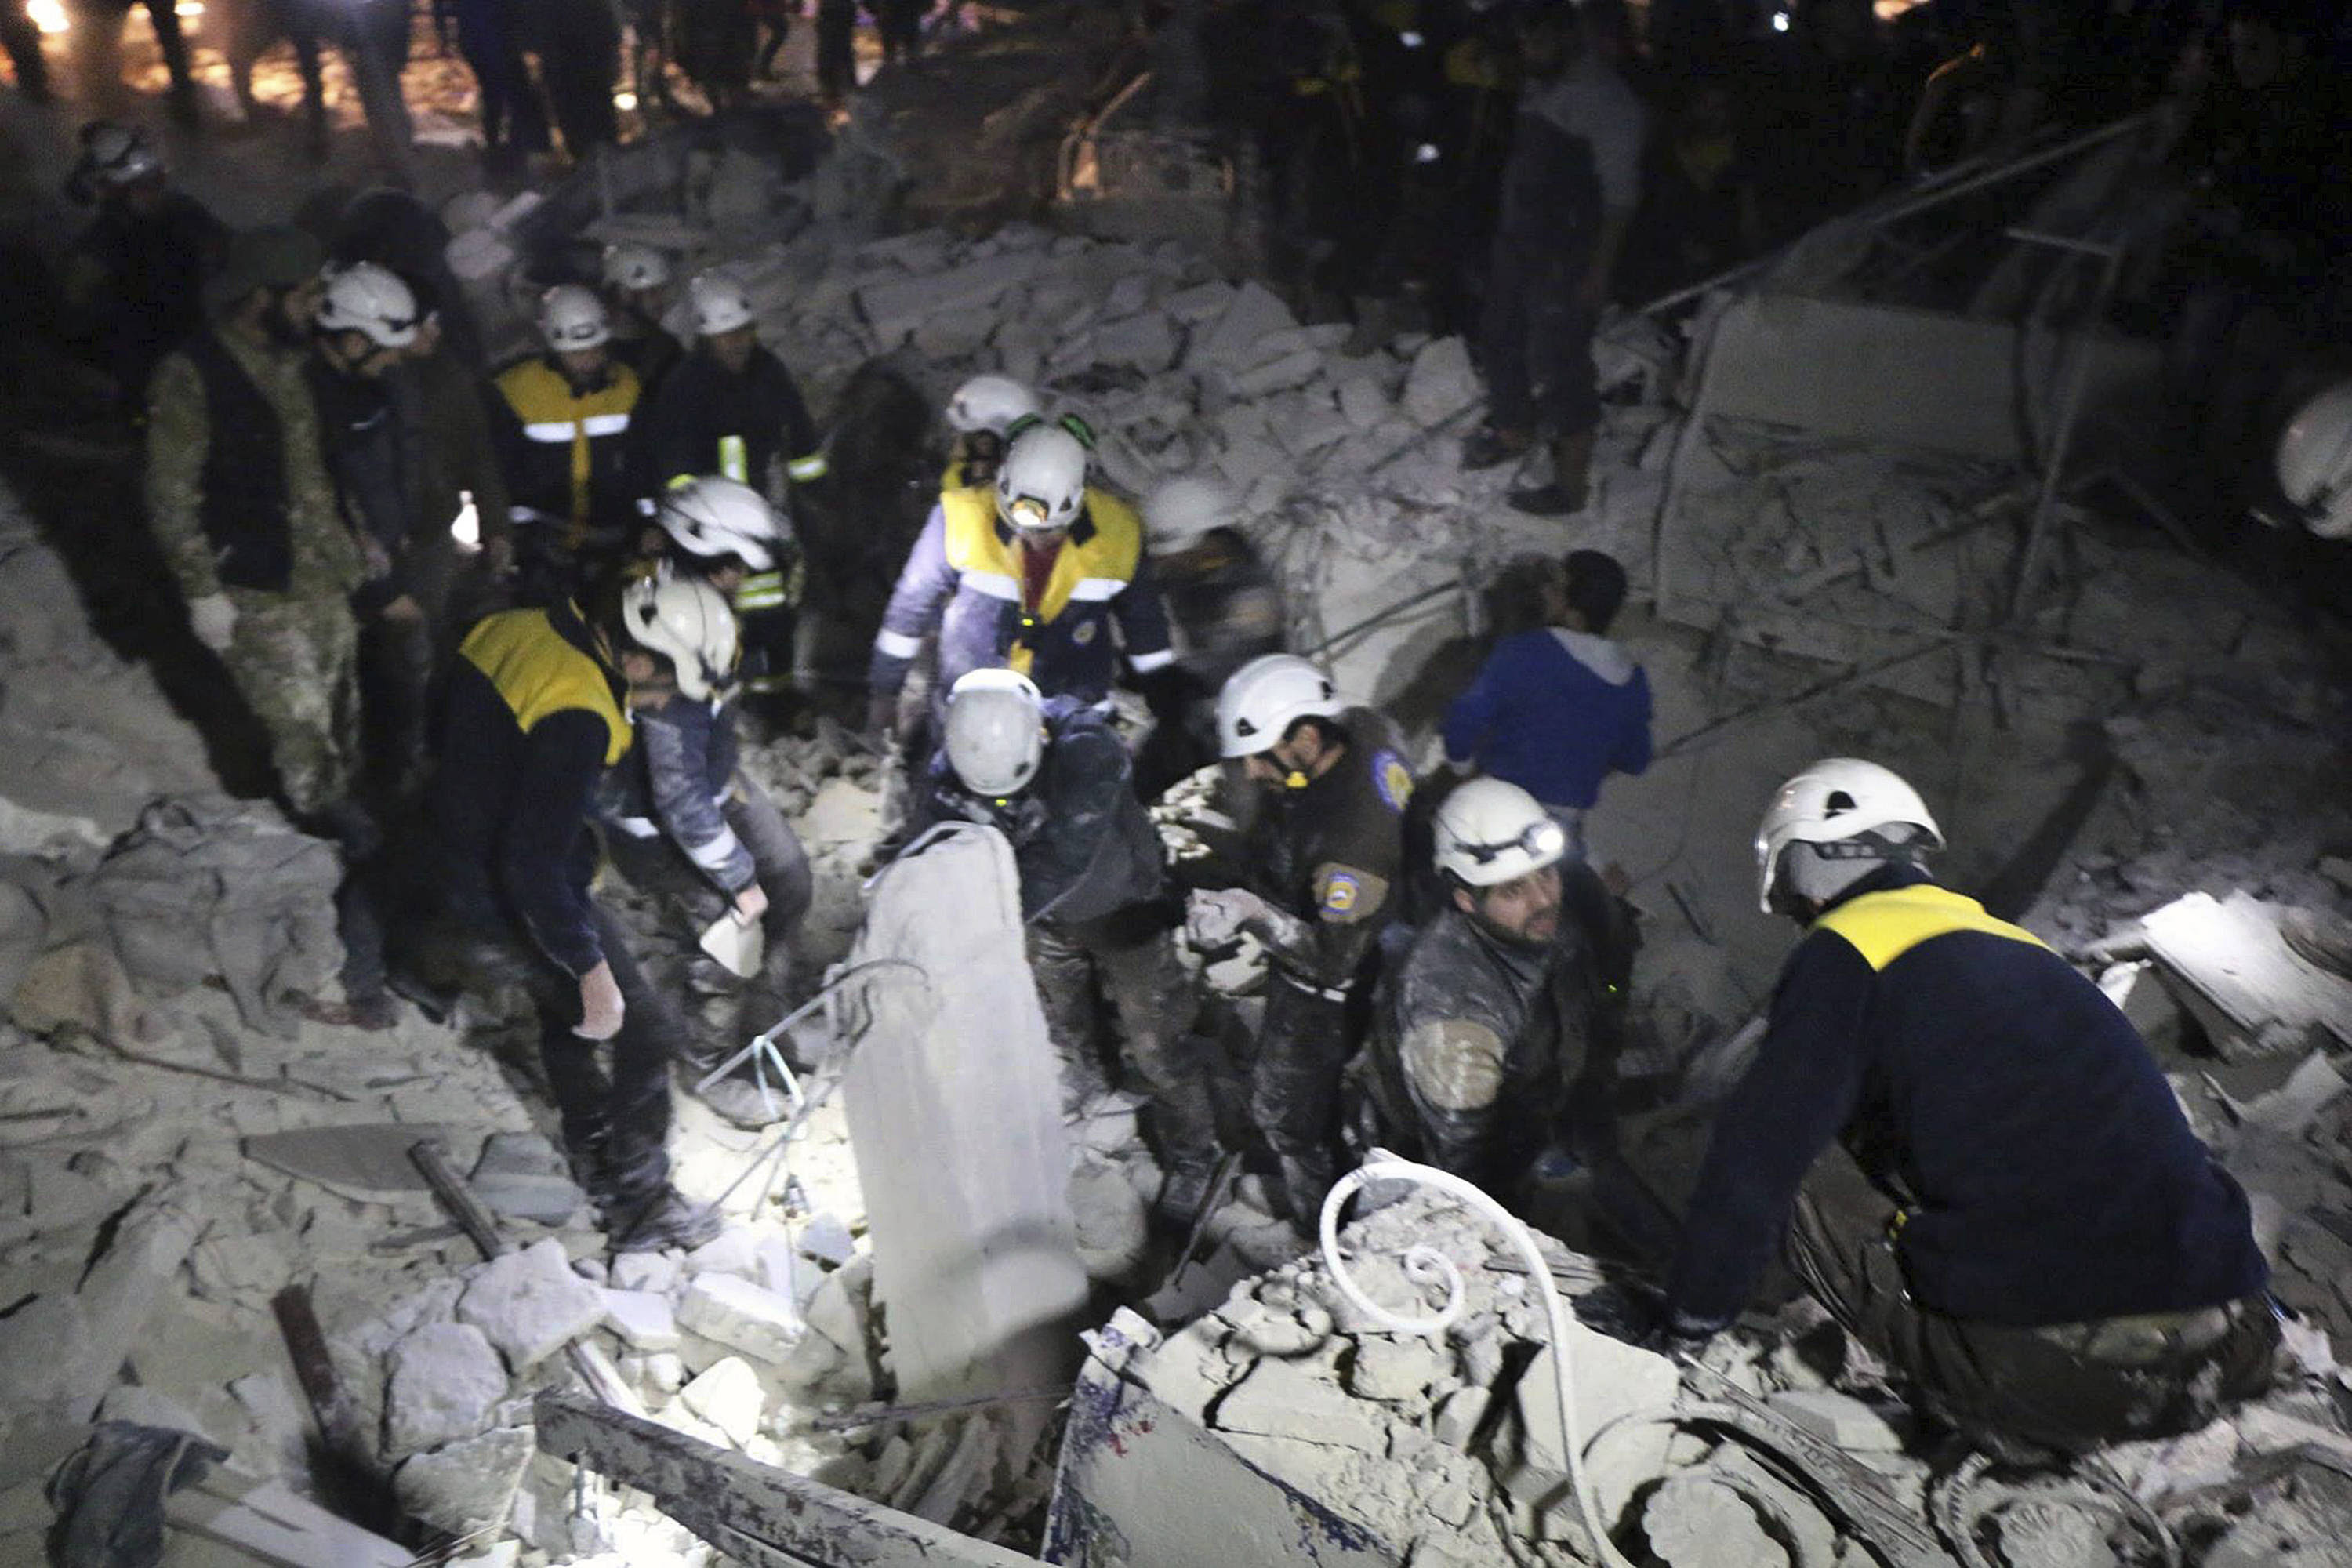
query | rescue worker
(1982,1170)
(1494,1037)
(983,414)
(562,421)
(681,795)
(1223,610)
(836,56)
(133,280)
(1570,189)
(536,710)
(1558,709)
(730,408)
(638,294)
(1322,868)
(241,500)
(1051,774)
(367,321)
(1034,574)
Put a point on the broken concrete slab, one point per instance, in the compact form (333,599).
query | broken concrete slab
(1236,342)
(444,1381)
(892,308)
(2254,993)
(741,1315)
(644,1319)
(1842,1419)
(62,1349)
(467,1486)
(368,1160)
(530,1304)
(1694,1522)
(1612,1379)
(1442,382)
(657,1271)
(730,1398)
(522,1175)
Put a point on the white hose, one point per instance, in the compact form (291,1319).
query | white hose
(1426,1266)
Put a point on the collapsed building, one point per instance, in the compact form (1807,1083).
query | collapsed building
(357,1282)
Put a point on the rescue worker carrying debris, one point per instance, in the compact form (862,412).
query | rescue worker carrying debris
(637,280)
(240,501)
(983,414)
(1052,776)
(1324,864)
(730,408)
(1044,575)
(1224,608)
(536,710)
(562,420)
(1507,1001)
(2018,1220)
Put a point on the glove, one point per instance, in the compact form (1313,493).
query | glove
(600,1004)
(1216,919)
(214,620)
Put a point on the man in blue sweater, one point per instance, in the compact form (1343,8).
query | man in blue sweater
(1984,1175)
(1557,709)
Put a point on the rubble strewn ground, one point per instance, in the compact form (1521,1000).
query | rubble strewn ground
(2150,729)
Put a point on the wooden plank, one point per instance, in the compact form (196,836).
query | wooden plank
(731,1502)
(2254,994)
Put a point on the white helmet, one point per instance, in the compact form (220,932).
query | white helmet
(572,317)
(1838,799)
(1043,480)
(1263,698)
(688,622)
(1179,512)
(2315,462)
(631,265)
(1490,832)
(720,303)
(990,403)
(115,154)
(371,299)
(995,739)
(713,516)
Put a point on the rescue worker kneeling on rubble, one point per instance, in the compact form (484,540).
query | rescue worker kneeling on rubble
(536,709)
(1043,573)
(983,414)
(1223,610)
(562,422)
(1494,1037)
(679,796)
(1052,776)
(1322,865)
(2020,1221)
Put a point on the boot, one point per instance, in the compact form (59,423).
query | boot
(1489,447)
(1568,491)
(660,1220)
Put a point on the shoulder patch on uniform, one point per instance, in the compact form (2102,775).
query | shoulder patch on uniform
(1340,891)
(1083,633)
(1392,778)
(1346,894)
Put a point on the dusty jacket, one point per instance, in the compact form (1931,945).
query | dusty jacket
(1481,1039)
(965,581)
(565,453)
(677,784)
(1087,852)
(534,714)
(1332,853)
(704,419)
(321,557)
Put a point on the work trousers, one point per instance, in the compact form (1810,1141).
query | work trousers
(1078,970)
(2066,1389)
(295,660)
(1535,345)
(1293,1091)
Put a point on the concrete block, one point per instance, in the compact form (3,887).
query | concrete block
(644,1319)
(1611,1379)
(444,1381)
(1235,344)
(837,1307)
(522,1175)
(1294,369)
(827,1239)
(1694,1523)
(952,1102)
(1364,402)
(1397,1368)
(646,1271)
(894,307)
(530,1304)
(1113,1230)
(1461,1414)
(730,1398)
(1441,382)
(1843,1419)
(467,1486)
(1202,302)
(1244,462)
(1146,343)
(741,1315)
(1302,1400)
(734,1250)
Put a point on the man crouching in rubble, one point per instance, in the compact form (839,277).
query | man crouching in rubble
(1053,777)
(1494,1037)
(535,711)
(2020,1220)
